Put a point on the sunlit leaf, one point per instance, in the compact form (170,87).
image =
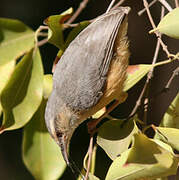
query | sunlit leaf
(99,113)
(47,85)
(41,155)
(5,73)
(22,95)
(135,73)
(55,23)
(169,136)
(15,39)
(169,25)
(164,178)
(163,145)
(144,160)
(115,136)
(171,117)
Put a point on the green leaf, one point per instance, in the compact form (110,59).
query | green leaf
(171,117)
(135,73)
(169,136)
(47,85)
(55,24)
(41,155)
(115,136)
(75,31)
(22,95)
(145,160)
(5,73)
(164,178)
(169,25)
(15,39)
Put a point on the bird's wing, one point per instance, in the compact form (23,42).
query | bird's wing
(81,73)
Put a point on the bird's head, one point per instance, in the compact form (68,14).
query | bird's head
(61,123)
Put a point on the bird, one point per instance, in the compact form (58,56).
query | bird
(90,74)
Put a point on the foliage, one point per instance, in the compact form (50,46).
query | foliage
(24,90)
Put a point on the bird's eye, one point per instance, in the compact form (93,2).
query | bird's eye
(59,134)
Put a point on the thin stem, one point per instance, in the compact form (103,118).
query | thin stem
(149,76)
(78,11)
(176,3)
(166,5)
(138,102)
(39,33)
(90,151)
(110,6)
(175,73)
(143,10)
(42,42)
(118,4)
(165,49)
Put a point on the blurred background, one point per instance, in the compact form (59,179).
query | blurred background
(142,47)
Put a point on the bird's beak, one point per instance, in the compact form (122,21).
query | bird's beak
(63,143)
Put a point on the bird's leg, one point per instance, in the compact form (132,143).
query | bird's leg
(92,124)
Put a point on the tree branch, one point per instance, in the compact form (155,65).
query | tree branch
(78,11)
(165,49)
(143,10)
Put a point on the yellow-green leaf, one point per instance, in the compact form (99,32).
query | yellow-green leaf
(5,73)
(169,25)
(115,136)
(171,117)
(47,85)
(22,95)
(135,73)
(15,39)
(55,24)
(41,155)
(169,136)
(144,160)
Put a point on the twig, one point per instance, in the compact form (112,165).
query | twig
(149,76)
(143,10)
(39,33)
(146,5)
(90,151)
(118,4)
(138,102)
(42,42)
(78,11)
(175,73)
(176,3)
(166,5)
(110,6)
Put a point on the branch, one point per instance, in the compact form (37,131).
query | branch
(110,6)
(149,76)
(90,151)
(166,5)
(78,11)
(143,10)
(118,4)
(175,73)
(165,49)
